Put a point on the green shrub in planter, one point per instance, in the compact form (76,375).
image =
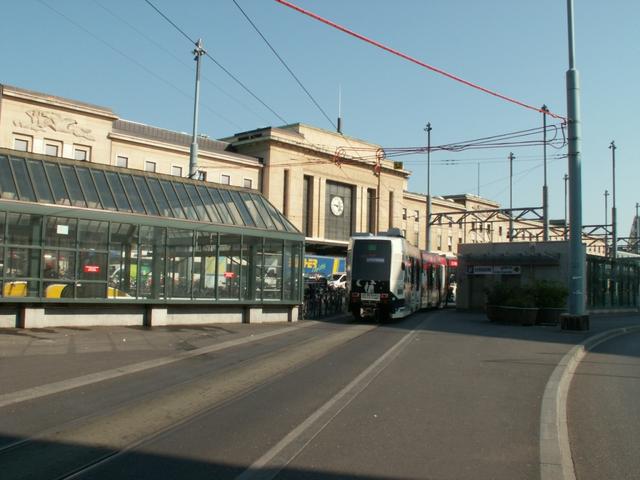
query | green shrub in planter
(550,294)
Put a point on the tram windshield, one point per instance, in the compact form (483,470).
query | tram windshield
(371,259)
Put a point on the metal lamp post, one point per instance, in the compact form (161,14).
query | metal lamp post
(428,216)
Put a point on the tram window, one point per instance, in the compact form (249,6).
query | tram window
(371,259)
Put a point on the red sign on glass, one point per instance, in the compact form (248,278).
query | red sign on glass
(229,275)
(91,269)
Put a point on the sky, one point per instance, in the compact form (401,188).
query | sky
(123,55)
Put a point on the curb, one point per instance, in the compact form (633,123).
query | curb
(556,461)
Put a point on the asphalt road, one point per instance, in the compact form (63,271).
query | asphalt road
(604,411)
(440,395)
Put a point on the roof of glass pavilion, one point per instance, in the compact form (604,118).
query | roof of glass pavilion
(56,181)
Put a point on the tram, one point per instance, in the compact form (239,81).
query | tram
(389,278)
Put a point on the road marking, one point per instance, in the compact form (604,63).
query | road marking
(280,455)
(556,461)
(81,381)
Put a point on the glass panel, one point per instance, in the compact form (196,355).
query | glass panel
(24,229)
(147,198)
(103,190)
(231,206)
(173,199)
(21,288)
(239,204)
(90,192)
(198,204)
(132,192)
(151,272)
(123,260)
(59,264)
(275,214)
(204,265)
(269,220)
(2,221)
(59,190)
(71,179)
(39,178)
(6,179)
(60,232)
(93,234)
(214,206)
(251,273)
(25,190)
(92,265)
(22,262)
(186,202)
(118,192)
(290,269)
(160,198)
(272,270)
(229,267)
(249,205)
(179,262)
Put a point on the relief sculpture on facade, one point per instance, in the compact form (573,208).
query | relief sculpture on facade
(42,120)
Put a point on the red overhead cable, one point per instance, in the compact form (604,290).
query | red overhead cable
(415,60)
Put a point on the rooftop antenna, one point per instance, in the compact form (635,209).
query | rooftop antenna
(339,108)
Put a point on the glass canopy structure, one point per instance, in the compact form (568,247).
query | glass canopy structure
(81,232)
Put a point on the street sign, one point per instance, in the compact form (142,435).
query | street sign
(494,270)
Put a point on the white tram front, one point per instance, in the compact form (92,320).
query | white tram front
(389,278)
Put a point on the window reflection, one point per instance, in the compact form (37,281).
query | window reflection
(252,282)
(179,262)
(204,265)
(272,269)
(150,274)
(229,267)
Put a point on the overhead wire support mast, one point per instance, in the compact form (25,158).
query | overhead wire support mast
(193,157)
(413,60)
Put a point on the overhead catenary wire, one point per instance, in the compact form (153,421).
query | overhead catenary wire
(132,60)
(295,77)
(416,61)
(222,67)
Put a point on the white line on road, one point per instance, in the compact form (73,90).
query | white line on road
(63,385)
(281,454)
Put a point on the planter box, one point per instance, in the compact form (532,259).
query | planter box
(549,316)
(514,315)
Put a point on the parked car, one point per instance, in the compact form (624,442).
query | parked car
(338,280)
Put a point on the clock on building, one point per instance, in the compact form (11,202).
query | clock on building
(337,206)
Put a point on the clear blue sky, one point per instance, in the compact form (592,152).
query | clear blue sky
(123,55)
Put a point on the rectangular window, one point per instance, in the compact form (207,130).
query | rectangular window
(371,208)
(21,144)
(404,213)
(416,215)
(81,153)
(122,162)
(248,183)
(390,209)
(285,194)
(51,148)
(176,171)
(307,203)
(202,175)
(500,231)
(225,179)
(149,166)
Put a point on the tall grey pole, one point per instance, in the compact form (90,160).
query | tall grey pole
(545,190)
(577,256)
(614,220)
(637,227)
(565,178)
(193,159)
(428,217)
(606,222)
(511,157)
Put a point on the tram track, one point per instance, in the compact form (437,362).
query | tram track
(73,448)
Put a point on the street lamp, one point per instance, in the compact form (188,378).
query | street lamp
(428,217)
(565,178)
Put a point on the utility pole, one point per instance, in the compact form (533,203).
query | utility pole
(565,178)
(606,223)
(193,159)
(511,157)
(614,220)
(637,227)
(577,318)
(428,217)
(545,191)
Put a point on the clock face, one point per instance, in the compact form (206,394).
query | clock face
(337,206)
